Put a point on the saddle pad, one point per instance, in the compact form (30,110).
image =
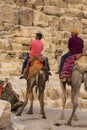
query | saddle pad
(68,66)
(34,69)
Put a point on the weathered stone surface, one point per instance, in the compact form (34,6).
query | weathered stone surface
(8,14)
(40,19)
(5,113)
(20,21)
(53,10)
(26,16)
(66,24)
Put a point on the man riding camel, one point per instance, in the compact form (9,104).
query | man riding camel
(75,46)
(36,47)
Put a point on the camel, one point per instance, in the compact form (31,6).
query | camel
(78,76)
(8,94)
(36,78)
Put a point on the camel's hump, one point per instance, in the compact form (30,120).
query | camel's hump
(82,63)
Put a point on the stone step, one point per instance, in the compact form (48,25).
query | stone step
(10,71)
(10,68)
(9,65)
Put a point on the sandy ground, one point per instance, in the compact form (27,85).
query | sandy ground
(35,122)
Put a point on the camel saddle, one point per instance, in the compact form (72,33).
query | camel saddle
(34,66)
(77,61)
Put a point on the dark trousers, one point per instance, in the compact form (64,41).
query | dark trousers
(63,58)
(26,61)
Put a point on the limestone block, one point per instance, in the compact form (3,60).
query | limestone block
(78,25)
(85,15)
(9,1)
(83,104)
(36,2)
(39,8)
(59,3)
(30,32)
(16,47)
(8,14)
(47,2)
(84,2)
(75,6)
(40,19)
(84,37)
(2,43)
(5,57)
(73,2)
(84,22)
(5,113)
(66,24)
(74,13)
(58,103)
(8,47)
(52,93)
(22,40)
(53,10)
(66,34)
(85,31)
(83,95)
(15,31)
(53,21)
(1,27)
(26,16)
(84,7)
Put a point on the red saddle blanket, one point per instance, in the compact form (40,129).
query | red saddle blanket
(68,65)
(1,87)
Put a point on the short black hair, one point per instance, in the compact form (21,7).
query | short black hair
(39,35)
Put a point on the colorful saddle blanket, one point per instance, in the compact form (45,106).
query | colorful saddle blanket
(34,66)
(68,65)
(1,87)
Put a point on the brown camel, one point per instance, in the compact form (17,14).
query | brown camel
(8,94)
(79,76)
(36,78)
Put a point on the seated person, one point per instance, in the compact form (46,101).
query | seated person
(36,47)
(75,46)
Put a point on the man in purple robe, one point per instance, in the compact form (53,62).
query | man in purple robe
(75,46)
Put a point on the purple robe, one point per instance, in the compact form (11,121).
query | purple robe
(75,45)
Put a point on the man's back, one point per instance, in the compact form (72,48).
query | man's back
(75,45)
(36,47)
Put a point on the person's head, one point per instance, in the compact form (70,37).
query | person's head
(74,32)
(38,36)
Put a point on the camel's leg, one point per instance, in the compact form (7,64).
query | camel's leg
(30,111)
(17,105)
(76,83)
(85,80)
(41,99)
(63,85)
(41,96)
(29,90)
